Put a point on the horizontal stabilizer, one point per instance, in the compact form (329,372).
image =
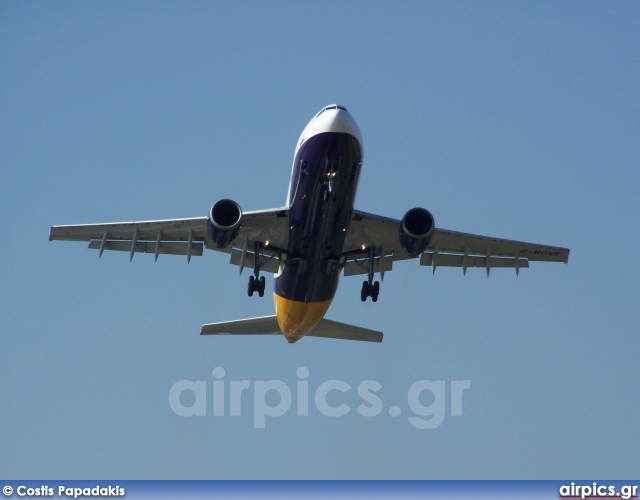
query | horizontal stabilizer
(264,325)
(334,330)
(268,325)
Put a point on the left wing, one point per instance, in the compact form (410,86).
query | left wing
(175,236)
(446,248)
(183,236)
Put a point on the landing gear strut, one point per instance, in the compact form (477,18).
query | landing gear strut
(257,282)
(369,288)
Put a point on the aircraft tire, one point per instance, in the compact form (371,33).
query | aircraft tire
(364,293)
(375,291)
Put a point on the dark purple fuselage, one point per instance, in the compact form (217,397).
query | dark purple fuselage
(323,187)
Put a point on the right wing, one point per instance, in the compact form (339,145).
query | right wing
(446,248)
(184,236)
(268,325)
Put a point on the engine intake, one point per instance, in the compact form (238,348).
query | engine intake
(224,222)
(417,227)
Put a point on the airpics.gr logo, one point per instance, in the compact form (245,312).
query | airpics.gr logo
(595,490)
(332,398)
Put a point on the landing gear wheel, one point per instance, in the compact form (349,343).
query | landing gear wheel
(252,286)
(364,293)
(375,291)
(261,288)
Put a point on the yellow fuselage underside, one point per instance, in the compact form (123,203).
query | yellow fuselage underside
(295,318)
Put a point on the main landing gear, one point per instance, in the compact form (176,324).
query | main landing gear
(257,282)
(369,288)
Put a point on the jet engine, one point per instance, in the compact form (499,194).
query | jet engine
(416,230)
(224,222)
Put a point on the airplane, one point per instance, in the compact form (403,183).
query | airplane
(311,240)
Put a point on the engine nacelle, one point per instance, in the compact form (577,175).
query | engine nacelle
(416,230)
(224,222)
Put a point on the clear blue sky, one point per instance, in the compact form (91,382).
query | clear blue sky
(515,120)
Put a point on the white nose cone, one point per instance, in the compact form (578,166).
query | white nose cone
(333,118)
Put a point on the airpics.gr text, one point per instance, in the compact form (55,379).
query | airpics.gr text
(331,398)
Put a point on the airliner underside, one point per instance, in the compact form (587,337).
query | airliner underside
(312,239)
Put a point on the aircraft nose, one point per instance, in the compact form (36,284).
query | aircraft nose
(340,120)
(333,118)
